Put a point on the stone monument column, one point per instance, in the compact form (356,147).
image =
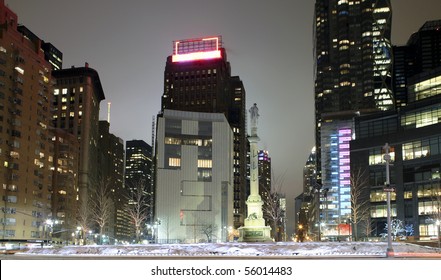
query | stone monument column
(254,229)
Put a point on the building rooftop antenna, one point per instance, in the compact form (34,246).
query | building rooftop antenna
(108,111)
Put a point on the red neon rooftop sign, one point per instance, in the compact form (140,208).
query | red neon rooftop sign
(196,49)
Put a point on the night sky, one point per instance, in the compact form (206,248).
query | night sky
(269,45)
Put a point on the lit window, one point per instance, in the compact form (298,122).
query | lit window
(19,70)
(205,163)
(175,162)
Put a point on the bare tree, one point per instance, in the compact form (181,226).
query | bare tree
(137,207)
(101,204)
(360,212)
(209,230)
(368,226)
(436,212)
(84,216)
(272,209)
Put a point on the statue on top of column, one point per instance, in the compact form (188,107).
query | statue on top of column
(254,111)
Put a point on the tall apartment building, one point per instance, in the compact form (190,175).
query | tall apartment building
(139,170)
(353,72)
(76,101)
(194,177)
(197,78)
(26,148)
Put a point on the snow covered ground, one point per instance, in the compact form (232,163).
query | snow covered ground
(256,261)
(282,249)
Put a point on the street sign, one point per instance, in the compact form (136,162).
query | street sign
(389,189)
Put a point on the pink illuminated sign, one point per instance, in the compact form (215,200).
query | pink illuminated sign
(196,49)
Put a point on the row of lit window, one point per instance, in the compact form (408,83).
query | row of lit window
(376,156)
(423,191)
(422,148)
(202,163)
(379,196)
(64,91)
(429,207)
(71,114)
(190,142)
(197,72)
(427,88)
(422,118)
(380,211)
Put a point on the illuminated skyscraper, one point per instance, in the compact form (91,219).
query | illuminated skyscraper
(197,78)
(353,71)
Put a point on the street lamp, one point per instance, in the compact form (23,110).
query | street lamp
(155,229)
(321,227)
(349,222)
(49,224)
(438,225)
(387,158)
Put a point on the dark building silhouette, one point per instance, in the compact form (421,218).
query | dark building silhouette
(53,55)
(111,172)
(197,78)
(422,53)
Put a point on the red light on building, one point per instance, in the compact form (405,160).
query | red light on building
(344,229)
(197,49)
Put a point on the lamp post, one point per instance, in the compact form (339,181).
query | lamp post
(318,187)
(387,158)
(49,230)
(349,222)
(438,225)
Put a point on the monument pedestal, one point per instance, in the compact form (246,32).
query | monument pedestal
(254,229)
(249,233)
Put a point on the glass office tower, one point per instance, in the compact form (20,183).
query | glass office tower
(353,66)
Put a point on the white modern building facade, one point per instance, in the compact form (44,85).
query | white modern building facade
(194,183)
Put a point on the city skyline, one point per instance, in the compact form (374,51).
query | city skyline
(275,67)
